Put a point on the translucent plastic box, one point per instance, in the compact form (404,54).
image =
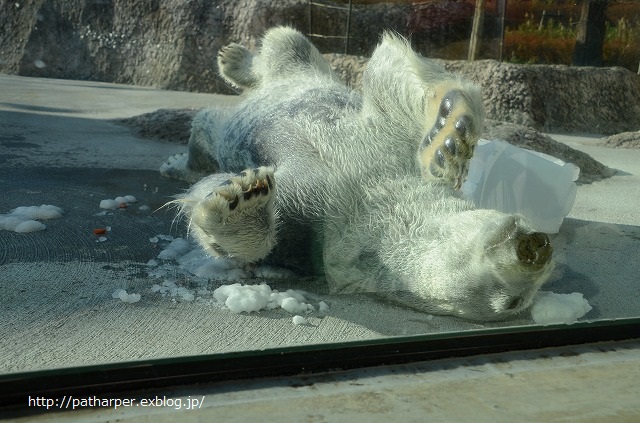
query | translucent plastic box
(514,180)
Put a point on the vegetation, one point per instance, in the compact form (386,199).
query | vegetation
(530,38)
(552,40)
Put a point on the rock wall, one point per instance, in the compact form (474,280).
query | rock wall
(623,140)
(556,98)
(549,98)
(172,44)
(167,44)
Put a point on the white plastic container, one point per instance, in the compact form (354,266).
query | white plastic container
(518,181)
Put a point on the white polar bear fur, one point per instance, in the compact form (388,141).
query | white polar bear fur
(350,191)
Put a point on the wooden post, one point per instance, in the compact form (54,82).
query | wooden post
(590,33)
(502,9)
(476,31)
(346,40)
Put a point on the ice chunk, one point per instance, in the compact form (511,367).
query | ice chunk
(109,204)
(209,268)
(43,212)
(187,296)
(9,223)
(292,305)
(247,298)
(551,308)
(299,320)
(30,226)
(118,202)
(24,218)
(116,293)
(241,298)
(176,248)
(295,304)
(123,296)
(238,298)
(130,298)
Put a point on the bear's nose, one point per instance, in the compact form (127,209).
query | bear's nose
(534,249)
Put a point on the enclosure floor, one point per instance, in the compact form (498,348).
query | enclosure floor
(57,146)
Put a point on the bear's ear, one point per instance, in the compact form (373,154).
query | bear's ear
(396,78)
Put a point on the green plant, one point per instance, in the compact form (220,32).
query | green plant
(554,42)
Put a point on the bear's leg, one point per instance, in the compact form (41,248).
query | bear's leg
(234,217)
(447,148)
(286,53)
(235,66)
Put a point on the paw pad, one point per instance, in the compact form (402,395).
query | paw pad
(447,147)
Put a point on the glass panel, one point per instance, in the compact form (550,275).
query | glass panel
(372,239)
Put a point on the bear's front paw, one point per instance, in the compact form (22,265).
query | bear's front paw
(446,149)
(249,189)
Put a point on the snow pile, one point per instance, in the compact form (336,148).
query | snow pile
(238,298)
(118,202)
(25,219)
(184,271)
(551,308)
(180,258)
(127,298)
(175,249)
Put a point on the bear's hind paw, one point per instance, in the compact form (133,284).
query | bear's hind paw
(447,148)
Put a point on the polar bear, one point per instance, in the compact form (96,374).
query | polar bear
(362,188)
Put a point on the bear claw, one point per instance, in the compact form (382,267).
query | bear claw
(250,183)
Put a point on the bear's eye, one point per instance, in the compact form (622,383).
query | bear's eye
(514,303)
